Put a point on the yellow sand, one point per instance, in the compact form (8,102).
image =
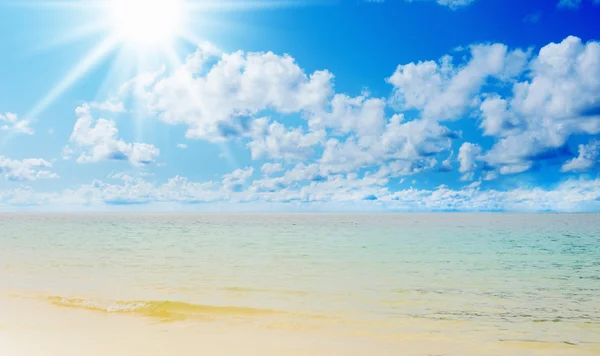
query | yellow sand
(70,327)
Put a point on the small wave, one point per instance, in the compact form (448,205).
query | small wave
(166,311)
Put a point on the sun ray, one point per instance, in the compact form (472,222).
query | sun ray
(121,70)
(95,56)
(231,160)
(82,32)
(142,31)
(139,112)
(99,52)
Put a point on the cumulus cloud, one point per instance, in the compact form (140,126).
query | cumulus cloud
(362,115)
(442,91)
(97,140)
(312,145)
(561,98)
(403,145)
(275,141)
(11,123)
(271,168)
(30,169)
(220,96)
(215,94)
(467,156)
(586,160)
(235,180)
(498,119)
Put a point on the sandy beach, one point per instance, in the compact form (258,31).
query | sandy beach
(33,328)
(457,285)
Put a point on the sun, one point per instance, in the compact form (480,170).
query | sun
(146,23)
(139,33)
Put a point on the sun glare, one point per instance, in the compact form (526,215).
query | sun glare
(141,32)
(147,23)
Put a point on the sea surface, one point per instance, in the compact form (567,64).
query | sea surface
(520,278)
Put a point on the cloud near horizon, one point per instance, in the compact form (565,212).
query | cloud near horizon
(311,147)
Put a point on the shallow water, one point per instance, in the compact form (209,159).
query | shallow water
(503,277)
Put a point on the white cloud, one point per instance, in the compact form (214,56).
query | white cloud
(405,146)
(237,179)
(586,160)
(565,81)
(298,175)
(111,105)
(183,146)
(26,170)
(339,192)
(221,95)
(67,153)
(275,141)
(97,140)
(467,156)
(446,165)
(215,94)
(445,92)
(561,98)
(498,120)
(361,115)
(11,123)
(271,168)
(329,149)
(143,154)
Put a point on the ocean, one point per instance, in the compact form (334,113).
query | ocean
(422,284)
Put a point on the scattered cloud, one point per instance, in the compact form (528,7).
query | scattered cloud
(237,179)
(586,160)
(336,193)
(10,122)
(443,91)
(112,105)
(96,140)
(313,146)
(275,141)
(30,169)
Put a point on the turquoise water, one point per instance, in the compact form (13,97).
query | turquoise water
(511,277)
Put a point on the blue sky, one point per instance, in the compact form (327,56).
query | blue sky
(395,105)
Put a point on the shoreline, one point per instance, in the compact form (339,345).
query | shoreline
(67,331)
